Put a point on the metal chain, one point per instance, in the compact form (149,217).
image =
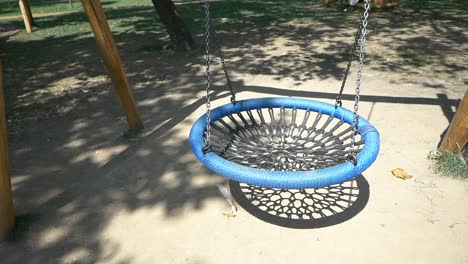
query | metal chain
(352,54)
(221,57)
(361,35)
(362,53)
(207,145)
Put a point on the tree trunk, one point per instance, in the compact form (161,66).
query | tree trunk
(178,31)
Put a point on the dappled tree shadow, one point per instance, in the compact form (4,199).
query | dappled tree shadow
(73,169)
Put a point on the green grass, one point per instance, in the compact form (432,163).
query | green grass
(257,8)
(64,34)
(126,22)
(239,13)
(10,7)
(129,18)
(434,6)
(450,164)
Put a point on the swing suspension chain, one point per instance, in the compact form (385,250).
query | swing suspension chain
(360,39)
(221,57)
(210,34)
(362,54)
(207,145)
(352,55)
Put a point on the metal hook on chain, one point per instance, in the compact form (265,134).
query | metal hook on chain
(223,64)
(352,157)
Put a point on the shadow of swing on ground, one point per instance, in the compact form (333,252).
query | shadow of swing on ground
(304,208)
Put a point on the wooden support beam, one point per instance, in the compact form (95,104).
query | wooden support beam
(27,14)
(111,57)
(7,214)
(457,134)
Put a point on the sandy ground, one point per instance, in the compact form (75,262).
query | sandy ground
(85,194)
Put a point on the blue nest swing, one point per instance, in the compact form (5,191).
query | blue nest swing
(283,142)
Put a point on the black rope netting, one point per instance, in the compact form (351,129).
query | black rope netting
(283,139)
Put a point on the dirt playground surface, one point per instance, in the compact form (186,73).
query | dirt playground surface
(86,194)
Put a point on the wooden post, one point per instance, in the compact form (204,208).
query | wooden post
(457,133)
(27,14)
(111,57)
(7,214)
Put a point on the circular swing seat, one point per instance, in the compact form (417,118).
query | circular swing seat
(285,143)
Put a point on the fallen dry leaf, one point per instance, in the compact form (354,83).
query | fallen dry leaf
(400,173)
(230,215)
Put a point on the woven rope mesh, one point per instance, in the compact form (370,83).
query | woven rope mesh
(282,139)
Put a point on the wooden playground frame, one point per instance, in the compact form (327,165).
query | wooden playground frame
(110,54)
(455,139)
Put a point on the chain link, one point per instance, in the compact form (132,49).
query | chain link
(210,34)
(207,145)
(359,38)
(221,57)
(352,54)
(362,53)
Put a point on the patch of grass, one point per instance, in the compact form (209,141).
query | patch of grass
(131,133)
(10,7)
(450,164)
(61,33)
(434,5)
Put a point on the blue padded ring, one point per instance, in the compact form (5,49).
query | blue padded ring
(286,179)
